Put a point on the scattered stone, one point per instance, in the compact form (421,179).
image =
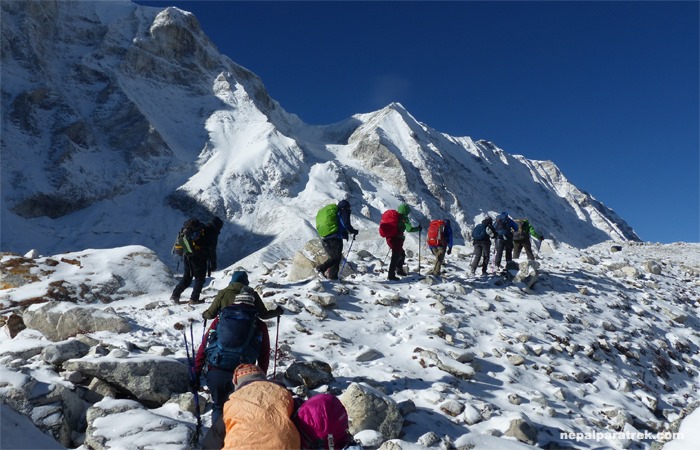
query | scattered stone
(13,325)
(428,439)
(316,311)
(452,408)
(388,299)
(630,272)
(57,354)
(515,399)
(406,407)
(471,415)
(516,360)
(586,259)
(652,267)
(311,374)
(324,300)
(368,355)
(371,439)
(369,409)
(522,430)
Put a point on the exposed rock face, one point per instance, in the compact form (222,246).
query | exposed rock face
(59,321)
(152,380)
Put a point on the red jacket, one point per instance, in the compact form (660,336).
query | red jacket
(263,357)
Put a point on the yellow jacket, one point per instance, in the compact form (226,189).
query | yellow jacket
(258,415)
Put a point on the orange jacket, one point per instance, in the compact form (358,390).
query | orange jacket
(258,415)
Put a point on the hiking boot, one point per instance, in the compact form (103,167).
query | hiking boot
(401,272)
(195,302)
(393,278)
(175,299)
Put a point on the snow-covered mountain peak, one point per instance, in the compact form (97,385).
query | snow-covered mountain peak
(135,107)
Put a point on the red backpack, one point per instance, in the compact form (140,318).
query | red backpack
(322,422)
(436,234)
(389,224)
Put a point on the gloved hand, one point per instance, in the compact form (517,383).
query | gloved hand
(279,310)
(420,228)
(354,233)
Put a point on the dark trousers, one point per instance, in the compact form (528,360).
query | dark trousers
(398,256)
(501,245)
(220,383)
(195,268)
(518,246)
(482,249)
(334,249)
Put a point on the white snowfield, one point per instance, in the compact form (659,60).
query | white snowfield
(600,353)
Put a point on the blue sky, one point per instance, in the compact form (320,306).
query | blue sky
(606,90)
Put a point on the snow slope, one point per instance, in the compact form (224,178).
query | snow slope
(600,346)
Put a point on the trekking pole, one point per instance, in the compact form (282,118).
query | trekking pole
(190,362)
(345,260)
(419,246)
(277,338)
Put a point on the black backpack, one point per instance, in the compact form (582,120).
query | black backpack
(190,238)
(236,338)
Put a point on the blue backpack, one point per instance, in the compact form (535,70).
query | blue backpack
(502,225)
(479,233)
(236,339)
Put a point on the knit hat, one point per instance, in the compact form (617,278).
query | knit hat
(343,204)
(245,297)
(239,276)
(245,373)
(404,209)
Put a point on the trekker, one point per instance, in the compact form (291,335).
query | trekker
(521,239)
(226,296)
(323,423)
(235,307)
(256,416)
(504,227)
(482,244)
(197,244)
(440,242)
(395,242)
(333,243)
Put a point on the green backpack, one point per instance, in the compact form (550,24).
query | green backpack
(327,220)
